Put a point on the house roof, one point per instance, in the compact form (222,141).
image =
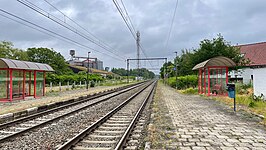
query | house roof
(24,65)
(216,61)
(256,53)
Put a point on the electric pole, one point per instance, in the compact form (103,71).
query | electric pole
(175,69)
(138,54)
(88,59)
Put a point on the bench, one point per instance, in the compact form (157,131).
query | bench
(216,88)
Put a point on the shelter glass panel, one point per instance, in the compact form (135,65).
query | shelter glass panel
(39,83)
(17,86)
(4,84)
(206,81)
(202,81)
(29,83)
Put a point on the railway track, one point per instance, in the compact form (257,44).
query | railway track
(118,129)
(23,125)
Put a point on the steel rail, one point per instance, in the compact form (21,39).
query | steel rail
(66,105)
(122,142)
(99,122)
(60,116)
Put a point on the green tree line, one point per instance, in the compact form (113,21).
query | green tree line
(40,55)
(207,49)
(189,58)
(143,72)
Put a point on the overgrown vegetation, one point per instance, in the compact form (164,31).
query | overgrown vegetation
(207,49)
(184,82)
(160,130)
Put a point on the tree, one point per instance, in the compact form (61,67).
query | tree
(134,72)
(7,51)
(50,57)
(208,49)
(168,68)
(218,47)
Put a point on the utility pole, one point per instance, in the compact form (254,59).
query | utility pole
(127,70)
(138,53)
(175,70)
(88,59)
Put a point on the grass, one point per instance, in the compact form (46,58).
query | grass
(161,129)
(244,100)
(189,91)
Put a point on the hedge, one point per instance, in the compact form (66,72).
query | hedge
(55,79)
(184,82)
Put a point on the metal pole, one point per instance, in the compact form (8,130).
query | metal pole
(175,70)
(127,71)
(87,86)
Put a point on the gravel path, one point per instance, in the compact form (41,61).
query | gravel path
(18,105)
(52,135)
(206,124)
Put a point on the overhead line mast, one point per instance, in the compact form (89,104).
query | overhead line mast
(138,54)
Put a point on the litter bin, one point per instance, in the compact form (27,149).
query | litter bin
(231,93)
(231,90)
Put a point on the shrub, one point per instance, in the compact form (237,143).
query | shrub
(190,91)
(184,81)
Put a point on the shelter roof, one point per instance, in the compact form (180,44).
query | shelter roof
(255,52)
(24,65)
(216,61)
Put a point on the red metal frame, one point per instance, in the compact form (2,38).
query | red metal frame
(209,82)
(35,85)
(212,70)
(9,84)
(43,83)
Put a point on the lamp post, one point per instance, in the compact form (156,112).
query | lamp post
(176,71)
(87,86)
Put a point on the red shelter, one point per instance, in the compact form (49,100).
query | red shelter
(213,75)
(19,79)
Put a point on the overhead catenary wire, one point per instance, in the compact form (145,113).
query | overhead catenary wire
(65,25)
(83,28)
(171,27)
(129,24)
(50,31)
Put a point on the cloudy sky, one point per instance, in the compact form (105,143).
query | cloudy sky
(239,21)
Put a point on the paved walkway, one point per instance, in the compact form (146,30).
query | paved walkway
(18,105)
(206,124)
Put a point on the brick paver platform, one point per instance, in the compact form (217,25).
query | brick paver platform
(207,124)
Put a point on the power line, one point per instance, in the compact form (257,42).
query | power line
(47,30)
(99,40)
(65,25)
(129,26)
(128,23)
(171,26)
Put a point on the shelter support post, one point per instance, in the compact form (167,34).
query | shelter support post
(35,84)
(44,75)
(199,81)
(204,80)
(10,85)
(209,82)
(24,78)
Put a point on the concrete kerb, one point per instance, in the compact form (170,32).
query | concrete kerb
(33,110)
